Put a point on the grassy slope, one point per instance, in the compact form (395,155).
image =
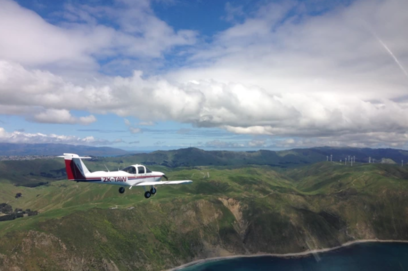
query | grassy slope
(225,211)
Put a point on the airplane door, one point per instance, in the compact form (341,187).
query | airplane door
(141,171)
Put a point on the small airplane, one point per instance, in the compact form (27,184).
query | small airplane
(135,175)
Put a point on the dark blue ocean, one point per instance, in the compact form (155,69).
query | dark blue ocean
(361,257)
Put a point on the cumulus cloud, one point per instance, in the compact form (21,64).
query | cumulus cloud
(61,116)
(23,137)
(239,108)
(151,98)
(28,39)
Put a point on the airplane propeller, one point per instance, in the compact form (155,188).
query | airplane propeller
(164,176)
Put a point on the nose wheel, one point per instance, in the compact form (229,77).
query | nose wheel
(122,190)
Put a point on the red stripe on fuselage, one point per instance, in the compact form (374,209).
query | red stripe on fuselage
(129,177)
(70,175)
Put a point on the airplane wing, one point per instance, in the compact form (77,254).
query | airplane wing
(160,183)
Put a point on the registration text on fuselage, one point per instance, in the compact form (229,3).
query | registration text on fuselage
(120,179)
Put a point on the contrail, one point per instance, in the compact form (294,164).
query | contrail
(390,52)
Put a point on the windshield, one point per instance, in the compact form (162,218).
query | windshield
(130,170)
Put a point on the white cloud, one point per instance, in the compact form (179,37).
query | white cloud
(235,107)
(28,39)
(61,116)
(134,130)
(23,137)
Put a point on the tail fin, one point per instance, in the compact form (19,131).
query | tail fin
(76,169)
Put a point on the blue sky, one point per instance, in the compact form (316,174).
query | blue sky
(164,74)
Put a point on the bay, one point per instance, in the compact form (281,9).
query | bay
(360,256)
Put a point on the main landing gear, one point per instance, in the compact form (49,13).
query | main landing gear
(147,194)
(152,191)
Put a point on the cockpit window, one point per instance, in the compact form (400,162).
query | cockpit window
(148,170)
(131,170)
(141,170)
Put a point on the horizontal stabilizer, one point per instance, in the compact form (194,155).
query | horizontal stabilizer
(160,183)
(69,156)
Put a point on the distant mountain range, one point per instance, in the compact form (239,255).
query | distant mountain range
(288,158)
(199,157)
(8,149)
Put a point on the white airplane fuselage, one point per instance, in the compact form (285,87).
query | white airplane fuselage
(122,178)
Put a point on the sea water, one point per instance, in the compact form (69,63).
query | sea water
(361,256)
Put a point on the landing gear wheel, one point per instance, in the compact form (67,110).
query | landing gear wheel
(147,194)
(153,190)
(122,190)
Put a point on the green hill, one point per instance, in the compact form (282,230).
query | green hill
(240,209)
(32,172)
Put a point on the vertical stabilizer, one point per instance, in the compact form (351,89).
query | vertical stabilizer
(75,168)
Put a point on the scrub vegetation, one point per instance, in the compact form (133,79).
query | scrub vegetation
(237,209)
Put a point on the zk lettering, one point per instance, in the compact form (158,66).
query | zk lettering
(114,179)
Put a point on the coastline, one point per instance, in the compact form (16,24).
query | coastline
(286,255)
